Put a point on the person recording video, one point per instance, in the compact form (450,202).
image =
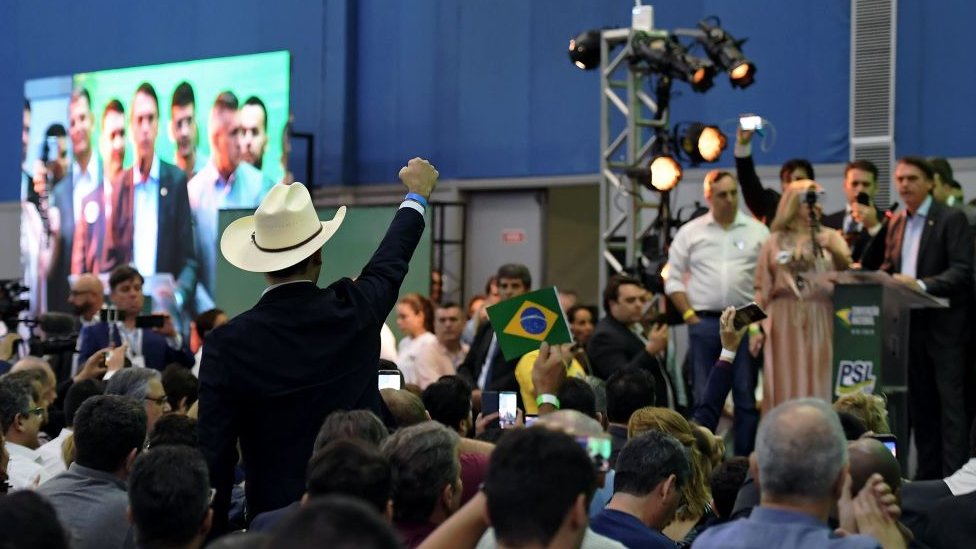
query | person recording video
(150,348)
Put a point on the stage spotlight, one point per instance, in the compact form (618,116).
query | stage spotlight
(702,143)
(584,50)
(665,172)
(669,57)
(726,52)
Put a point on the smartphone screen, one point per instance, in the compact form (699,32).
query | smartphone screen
(150,321)
(389,379)
(750,122)
(507,409)
(890,442)
(599,449)
(747,314)
(530,420)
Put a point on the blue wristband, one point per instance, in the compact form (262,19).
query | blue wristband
(419,199)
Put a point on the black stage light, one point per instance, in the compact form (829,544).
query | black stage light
(669,57)
(584,50)
(726,52)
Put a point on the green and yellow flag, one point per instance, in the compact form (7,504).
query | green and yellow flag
(524,322)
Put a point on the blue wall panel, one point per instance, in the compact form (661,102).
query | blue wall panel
(486,88)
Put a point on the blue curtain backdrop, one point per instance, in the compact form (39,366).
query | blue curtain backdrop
(485,87)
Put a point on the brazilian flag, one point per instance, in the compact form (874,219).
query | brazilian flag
(522,323)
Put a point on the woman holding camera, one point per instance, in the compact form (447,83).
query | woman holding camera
(791,285)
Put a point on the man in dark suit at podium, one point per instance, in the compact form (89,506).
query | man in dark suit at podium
(929,247)
(859,223)
(270,376)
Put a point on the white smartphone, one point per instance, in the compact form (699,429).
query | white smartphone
(507,409)
(750,122)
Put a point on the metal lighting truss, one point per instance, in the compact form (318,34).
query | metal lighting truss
(629,121)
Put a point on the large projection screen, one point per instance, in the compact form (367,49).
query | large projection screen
(131,166)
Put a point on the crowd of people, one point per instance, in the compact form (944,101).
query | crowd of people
(277,434)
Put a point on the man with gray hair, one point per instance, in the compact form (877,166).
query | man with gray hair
(426,475)
(145,386)
(801,465)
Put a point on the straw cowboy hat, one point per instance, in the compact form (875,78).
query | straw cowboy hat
(283,231)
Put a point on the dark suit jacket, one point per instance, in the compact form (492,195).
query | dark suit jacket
(174,239)
(860,242)
(158,353)
(614,347)
(271,375)
(951,523)
(762,202)
(502,374)
(57,285)
(945,266)
(917,498)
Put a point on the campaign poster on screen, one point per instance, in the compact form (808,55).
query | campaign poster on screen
(130,167)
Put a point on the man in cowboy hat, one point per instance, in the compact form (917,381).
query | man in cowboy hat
(270,376)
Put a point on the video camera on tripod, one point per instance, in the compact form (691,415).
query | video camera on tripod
(59,330)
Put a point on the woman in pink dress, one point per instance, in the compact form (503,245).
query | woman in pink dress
(792,288)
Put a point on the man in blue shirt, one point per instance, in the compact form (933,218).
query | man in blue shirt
(650,471)
(801,465)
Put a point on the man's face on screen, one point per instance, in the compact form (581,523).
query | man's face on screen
(112,143)
(254,138)
(80,123)
(225,129)
(184,126)
(145,124)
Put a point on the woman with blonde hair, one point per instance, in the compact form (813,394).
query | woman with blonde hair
(791,285)
(694,510)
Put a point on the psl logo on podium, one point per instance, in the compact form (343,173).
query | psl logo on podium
(855,376)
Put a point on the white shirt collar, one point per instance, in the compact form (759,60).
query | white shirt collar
(76,171)
(23,452)
(273,286)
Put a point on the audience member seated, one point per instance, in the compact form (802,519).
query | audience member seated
(523,375)
(90,497)
(27,521)
(651,471)
(538,489)
(347,467)
(20,418)
(725,482)
(52,453)
(43,375)
(405,408)
(335,521)
(145,386)
(448,323)
(351,424)
(418,355)
(867,457)
(448,401)
(426,478)
(801,465)
(181,388)
(870,409)
(694,511)
(174,430)
(203,324)
(169,498)
(627,392)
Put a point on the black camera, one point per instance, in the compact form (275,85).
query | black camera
(12,303)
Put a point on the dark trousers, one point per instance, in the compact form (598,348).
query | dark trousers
(936,404)
(705,347)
